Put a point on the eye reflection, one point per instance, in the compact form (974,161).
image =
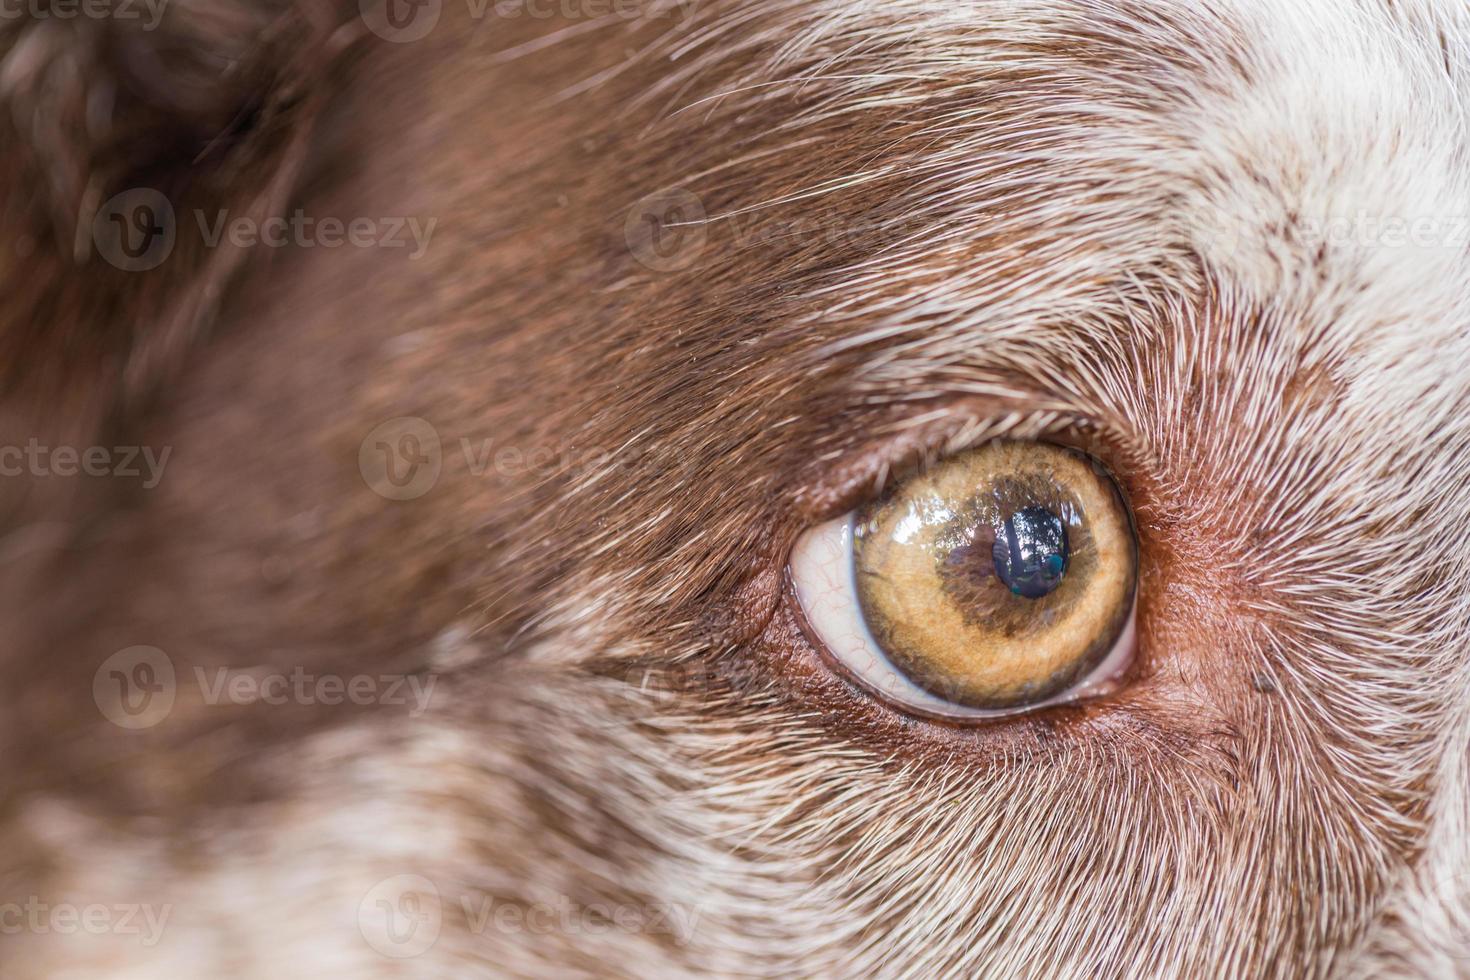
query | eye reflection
(1031,556)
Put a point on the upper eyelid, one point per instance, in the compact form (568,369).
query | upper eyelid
(959,425)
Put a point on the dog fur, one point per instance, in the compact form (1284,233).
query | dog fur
(925,225)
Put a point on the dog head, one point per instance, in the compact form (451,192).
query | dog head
(636,296)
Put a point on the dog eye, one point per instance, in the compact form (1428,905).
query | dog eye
(999,581)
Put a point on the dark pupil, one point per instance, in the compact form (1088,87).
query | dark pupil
(1031,552)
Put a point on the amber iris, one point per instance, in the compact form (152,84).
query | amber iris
(999,577)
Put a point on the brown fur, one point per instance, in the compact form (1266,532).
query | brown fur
(628,712)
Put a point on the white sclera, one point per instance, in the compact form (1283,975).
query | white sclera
(822,571)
